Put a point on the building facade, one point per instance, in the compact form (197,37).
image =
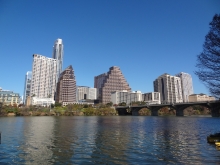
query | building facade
(45,102)
(200,97)
(8,97)
(43,82)
(169,88)
(98,82)
(125,97)
(27,86)
(66,87)
(86,93)
(58,55)
(28,101)
(151,98)
(187,85)
(109,82)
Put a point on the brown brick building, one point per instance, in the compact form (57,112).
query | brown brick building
(66,87)
(110,82)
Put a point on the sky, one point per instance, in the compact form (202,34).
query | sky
(144,38)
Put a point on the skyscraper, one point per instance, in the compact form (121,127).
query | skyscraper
(43,82)
(27,86)
(58,55)
(169,87)
(187,85)
(110,82)
(66,87)
(86,93)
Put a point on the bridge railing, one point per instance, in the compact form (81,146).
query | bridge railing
(169,104)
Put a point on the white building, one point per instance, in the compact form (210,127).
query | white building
(27,86)
(187,85)
(200,97)
(58,55)
(86,93)
(125,96)
(151,98)
(46,102)
(169,88)
(43,82)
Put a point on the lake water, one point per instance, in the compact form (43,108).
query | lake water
(108,140)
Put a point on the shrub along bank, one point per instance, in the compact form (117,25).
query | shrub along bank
(58,110)
(89,110)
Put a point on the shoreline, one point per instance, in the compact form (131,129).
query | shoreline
(81,114)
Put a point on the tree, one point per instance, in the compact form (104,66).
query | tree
(109,104)
(122,104)
(85,106)
(208,62)
(58,104)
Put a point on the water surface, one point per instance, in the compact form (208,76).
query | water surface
(108,140)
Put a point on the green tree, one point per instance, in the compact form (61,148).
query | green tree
(85,106)
(208,62)
(122,104)
(52,105)
(58,104)
(109,104)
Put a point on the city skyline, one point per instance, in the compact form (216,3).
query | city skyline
(145,39)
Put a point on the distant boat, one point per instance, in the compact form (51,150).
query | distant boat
(213,138)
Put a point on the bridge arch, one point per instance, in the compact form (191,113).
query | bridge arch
(179,107)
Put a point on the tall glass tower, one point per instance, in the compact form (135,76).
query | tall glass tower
(58,55)
(27,85)
(187,85)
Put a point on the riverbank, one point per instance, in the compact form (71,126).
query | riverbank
(58,111)
(85,110)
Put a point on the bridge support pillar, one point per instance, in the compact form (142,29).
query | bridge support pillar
(122,111)
(179,112)
(215,112)
(134,111)
(154,112)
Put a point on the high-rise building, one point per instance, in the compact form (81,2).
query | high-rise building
(125,97)
(66,87)
(169,87)
(86,93)
(187,85)
(98,82)
(27,86)
(110,82)
(43,82)
(151,97)
(58,55)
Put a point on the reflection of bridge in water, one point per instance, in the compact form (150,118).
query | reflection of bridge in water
(214,107)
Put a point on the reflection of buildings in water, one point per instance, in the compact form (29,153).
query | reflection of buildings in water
(64,138)
(111,141)
(36,144)
(176,139)
(74,139)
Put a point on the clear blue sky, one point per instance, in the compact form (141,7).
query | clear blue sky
(144,38)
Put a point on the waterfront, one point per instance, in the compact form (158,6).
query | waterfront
(108,140)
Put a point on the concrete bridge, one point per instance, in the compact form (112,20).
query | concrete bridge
(214,107)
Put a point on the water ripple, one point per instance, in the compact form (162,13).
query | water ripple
(108,140)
